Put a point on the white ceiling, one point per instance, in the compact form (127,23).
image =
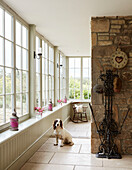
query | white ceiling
(66,23)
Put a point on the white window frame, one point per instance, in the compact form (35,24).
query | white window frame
(81,78)
(14,72)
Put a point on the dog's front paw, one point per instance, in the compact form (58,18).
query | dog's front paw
(61,145)
(71,144)
(55,144)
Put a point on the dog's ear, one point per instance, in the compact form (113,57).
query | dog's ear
(61,124)
(54,125)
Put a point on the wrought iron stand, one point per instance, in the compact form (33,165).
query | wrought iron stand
(108,128)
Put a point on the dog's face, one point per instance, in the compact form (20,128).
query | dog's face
(57,124)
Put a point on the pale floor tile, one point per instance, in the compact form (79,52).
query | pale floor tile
(78,134)
(41,157)
(76,159)
(98,168)
(66,148)
(79,129)
(85,148)
(125,162)
(33,166)
(81,141)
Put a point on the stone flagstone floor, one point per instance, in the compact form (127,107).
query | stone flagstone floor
(76,157)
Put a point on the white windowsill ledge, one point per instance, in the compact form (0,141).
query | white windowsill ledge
(22,126)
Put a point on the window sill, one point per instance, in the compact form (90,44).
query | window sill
(81,101)
(22,126)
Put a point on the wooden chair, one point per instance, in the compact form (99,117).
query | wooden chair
(79,116)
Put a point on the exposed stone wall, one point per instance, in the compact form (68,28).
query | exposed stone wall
(107,34)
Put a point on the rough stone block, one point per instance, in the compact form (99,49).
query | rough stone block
(120,22)
(129,101)
(103,51)
(103,37)
(124,40)
(115,113)
(114,30)
(94,145)
(94,39)
(100,25)
(116,26)
(105,43)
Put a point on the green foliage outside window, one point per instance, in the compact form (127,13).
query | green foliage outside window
(74,88)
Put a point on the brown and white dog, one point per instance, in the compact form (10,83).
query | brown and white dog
(61,133)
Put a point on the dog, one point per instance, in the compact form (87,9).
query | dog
(61,133)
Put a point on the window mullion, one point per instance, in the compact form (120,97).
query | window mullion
(48,71)
(14,82)
(4,84)
(81,80)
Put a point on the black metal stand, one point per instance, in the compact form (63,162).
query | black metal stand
(108,128)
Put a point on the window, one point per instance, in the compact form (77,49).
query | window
(79,78)
(38,74)
(51,73)
(13,67)
(47,73)
(22,70)
(62,76)
(6,66)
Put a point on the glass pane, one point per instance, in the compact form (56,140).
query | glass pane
(1,110)
(1,22)
(71,62)
(37,82)
(1,80)
(47,87)
(25,59)
(18,57)
(71,93)
(25,80)
(50,83)
(24,102)
(43,48)
(77,62)
(18,33)
(77,93)
(43,86)
(46,71)
(24,37)
(8,79)
(42,65)
(85,73)
(37,66)
(71,73)
(77,73)
(18,81)
(37,99)
(8,26)
(61,61)
(71,83)
(8,53)
(18,104)
(85,62)
(77,83)
(1,51)
(46,50)
(8,107)
(50,97)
